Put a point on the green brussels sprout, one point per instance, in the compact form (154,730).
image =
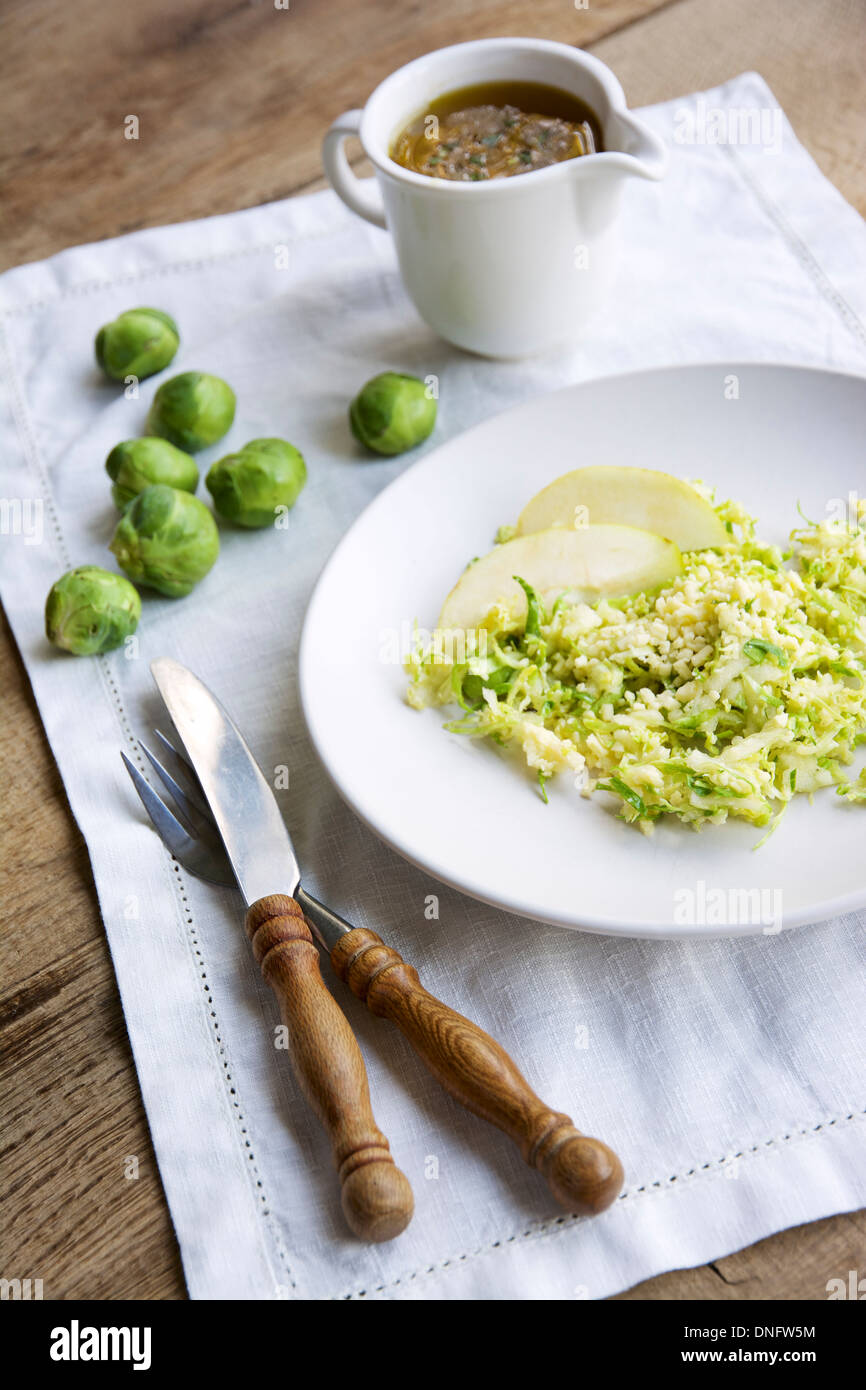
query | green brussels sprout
(249,486)
(91,610)
(392,413)
(166,539)
(138,343)
(192,410)
(138,463)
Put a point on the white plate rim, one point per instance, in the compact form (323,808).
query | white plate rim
(511,903)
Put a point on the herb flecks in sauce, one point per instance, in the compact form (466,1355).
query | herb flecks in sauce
(495,131)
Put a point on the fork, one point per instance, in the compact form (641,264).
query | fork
(583,1173)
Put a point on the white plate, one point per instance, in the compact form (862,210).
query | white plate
(467,813)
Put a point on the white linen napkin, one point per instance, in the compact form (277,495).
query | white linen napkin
(729,1075)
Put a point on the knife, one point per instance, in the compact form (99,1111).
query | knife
(583,1173)
(376,1197)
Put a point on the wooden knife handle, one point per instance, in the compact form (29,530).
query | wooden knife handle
(584,1174)
(376,1197)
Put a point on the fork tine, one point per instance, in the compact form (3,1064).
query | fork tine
(167,826)
(184,773)
(185,810)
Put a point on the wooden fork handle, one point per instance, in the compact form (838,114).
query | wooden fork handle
(376,1197)
(584,1174)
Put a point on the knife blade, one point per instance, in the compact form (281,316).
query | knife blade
(376,1197)
(244,807)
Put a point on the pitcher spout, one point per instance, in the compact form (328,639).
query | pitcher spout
(634,148)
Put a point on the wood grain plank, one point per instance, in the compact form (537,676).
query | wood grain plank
(84,1209)
(794,1264)
(810,54)
(233,99)
(71,1109)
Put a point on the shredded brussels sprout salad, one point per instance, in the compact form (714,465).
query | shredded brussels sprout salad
(724,693)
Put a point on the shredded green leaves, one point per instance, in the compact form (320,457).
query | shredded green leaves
(736,687)
(534,610)
(628,794)
(758,649)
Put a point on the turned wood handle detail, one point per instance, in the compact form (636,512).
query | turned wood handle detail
(583,1173)
(376,1197)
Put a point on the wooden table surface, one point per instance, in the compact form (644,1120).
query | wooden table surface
(232,100)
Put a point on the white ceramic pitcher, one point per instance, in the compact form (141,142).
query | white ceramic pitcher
(512,266)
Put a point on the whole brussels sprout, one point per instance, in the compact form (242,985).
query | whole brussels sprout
(166,539)
(138,343)
(91,610)
(249,486)
(138,463)
(392,413)
(192,410)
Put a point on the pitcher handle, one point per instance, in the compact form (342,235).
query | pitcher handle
(360,195)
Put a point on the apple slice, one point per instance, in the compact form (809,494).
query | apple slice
(627,497)
(595,562)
